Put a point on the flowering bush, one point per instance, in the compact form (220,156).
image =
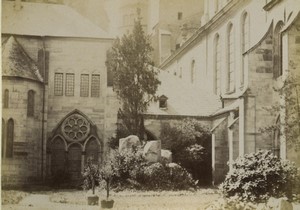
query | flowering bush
(258,176)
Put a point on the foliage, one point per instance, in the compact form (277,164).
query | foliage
(258,176)
(109,171)
(158,176)
(190,144)
(90,175)
(129,165)
(135,79)
(289,92)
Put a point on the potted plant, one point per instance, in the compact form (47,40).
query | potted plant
(107,172)
(91,179)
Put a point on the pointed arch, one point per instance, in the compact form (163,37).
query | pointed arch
(30,103)
(6,98)
(52,141)
(9,138)
(245,43)
(217,64)
(193,70)
(277,50)
(230,59)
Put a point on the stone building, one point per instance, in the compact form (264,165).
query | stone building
(241,52)
(57,108)
(168,23)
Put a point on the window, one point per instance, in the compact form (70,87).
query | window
(163,102)
(179,16)
(10,138)
(244,44)
(70,84)
(58,84)
(95,89)
(6,98)
(192,71)
(217,66)
(30,103)
(3,137)
(277,49)
(110,78)
(84,85)
(230,59)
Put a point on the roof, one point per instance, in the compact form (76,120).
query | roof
(16,63)
(183,99)
(41,19)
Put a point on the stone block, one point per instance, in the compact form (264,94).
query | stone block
(152,151)
(166,155)
(126,144)
(279,204)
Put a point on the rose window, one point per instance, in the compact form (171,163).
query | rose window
(75,128)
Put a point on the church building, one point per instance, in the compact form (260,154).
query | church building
(57,108)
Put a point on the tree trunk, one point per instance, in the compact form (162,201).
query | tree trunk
(107,189)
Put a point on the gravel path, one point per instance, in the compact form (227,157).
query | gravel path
(163,202)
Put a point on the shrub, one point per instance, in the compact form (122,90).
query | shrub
(158,176)
(258,176)
(190,144)
(90,175)
(128,164)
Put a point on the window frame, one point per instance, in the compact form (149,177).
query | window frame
(58,84)
(97,87)
(70,84)
(84,85)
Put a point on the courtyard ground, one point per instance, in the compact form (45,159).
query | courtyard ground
(133,200)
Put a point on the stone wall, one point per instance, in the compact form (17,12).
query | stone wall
(25,165)
(221,150)
(80,56)
(260,95)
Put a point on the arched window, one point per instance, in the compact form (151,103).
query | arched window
(3,137)
(30,103)
(217,65)
(192,71)
(230,59)
(10,138)
(277,49)
(245,44)
(6,98)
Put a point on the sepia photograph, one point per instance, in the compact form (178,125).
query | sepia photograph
(150,104)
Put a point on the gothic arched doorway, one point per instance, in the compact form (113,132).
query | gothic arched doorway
(73,140)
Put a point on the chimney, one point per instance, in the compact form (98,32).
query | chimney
(18,5)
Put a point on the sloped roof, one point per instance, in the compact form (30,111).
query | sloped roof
(40,19)
(183,98)
(16,63)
